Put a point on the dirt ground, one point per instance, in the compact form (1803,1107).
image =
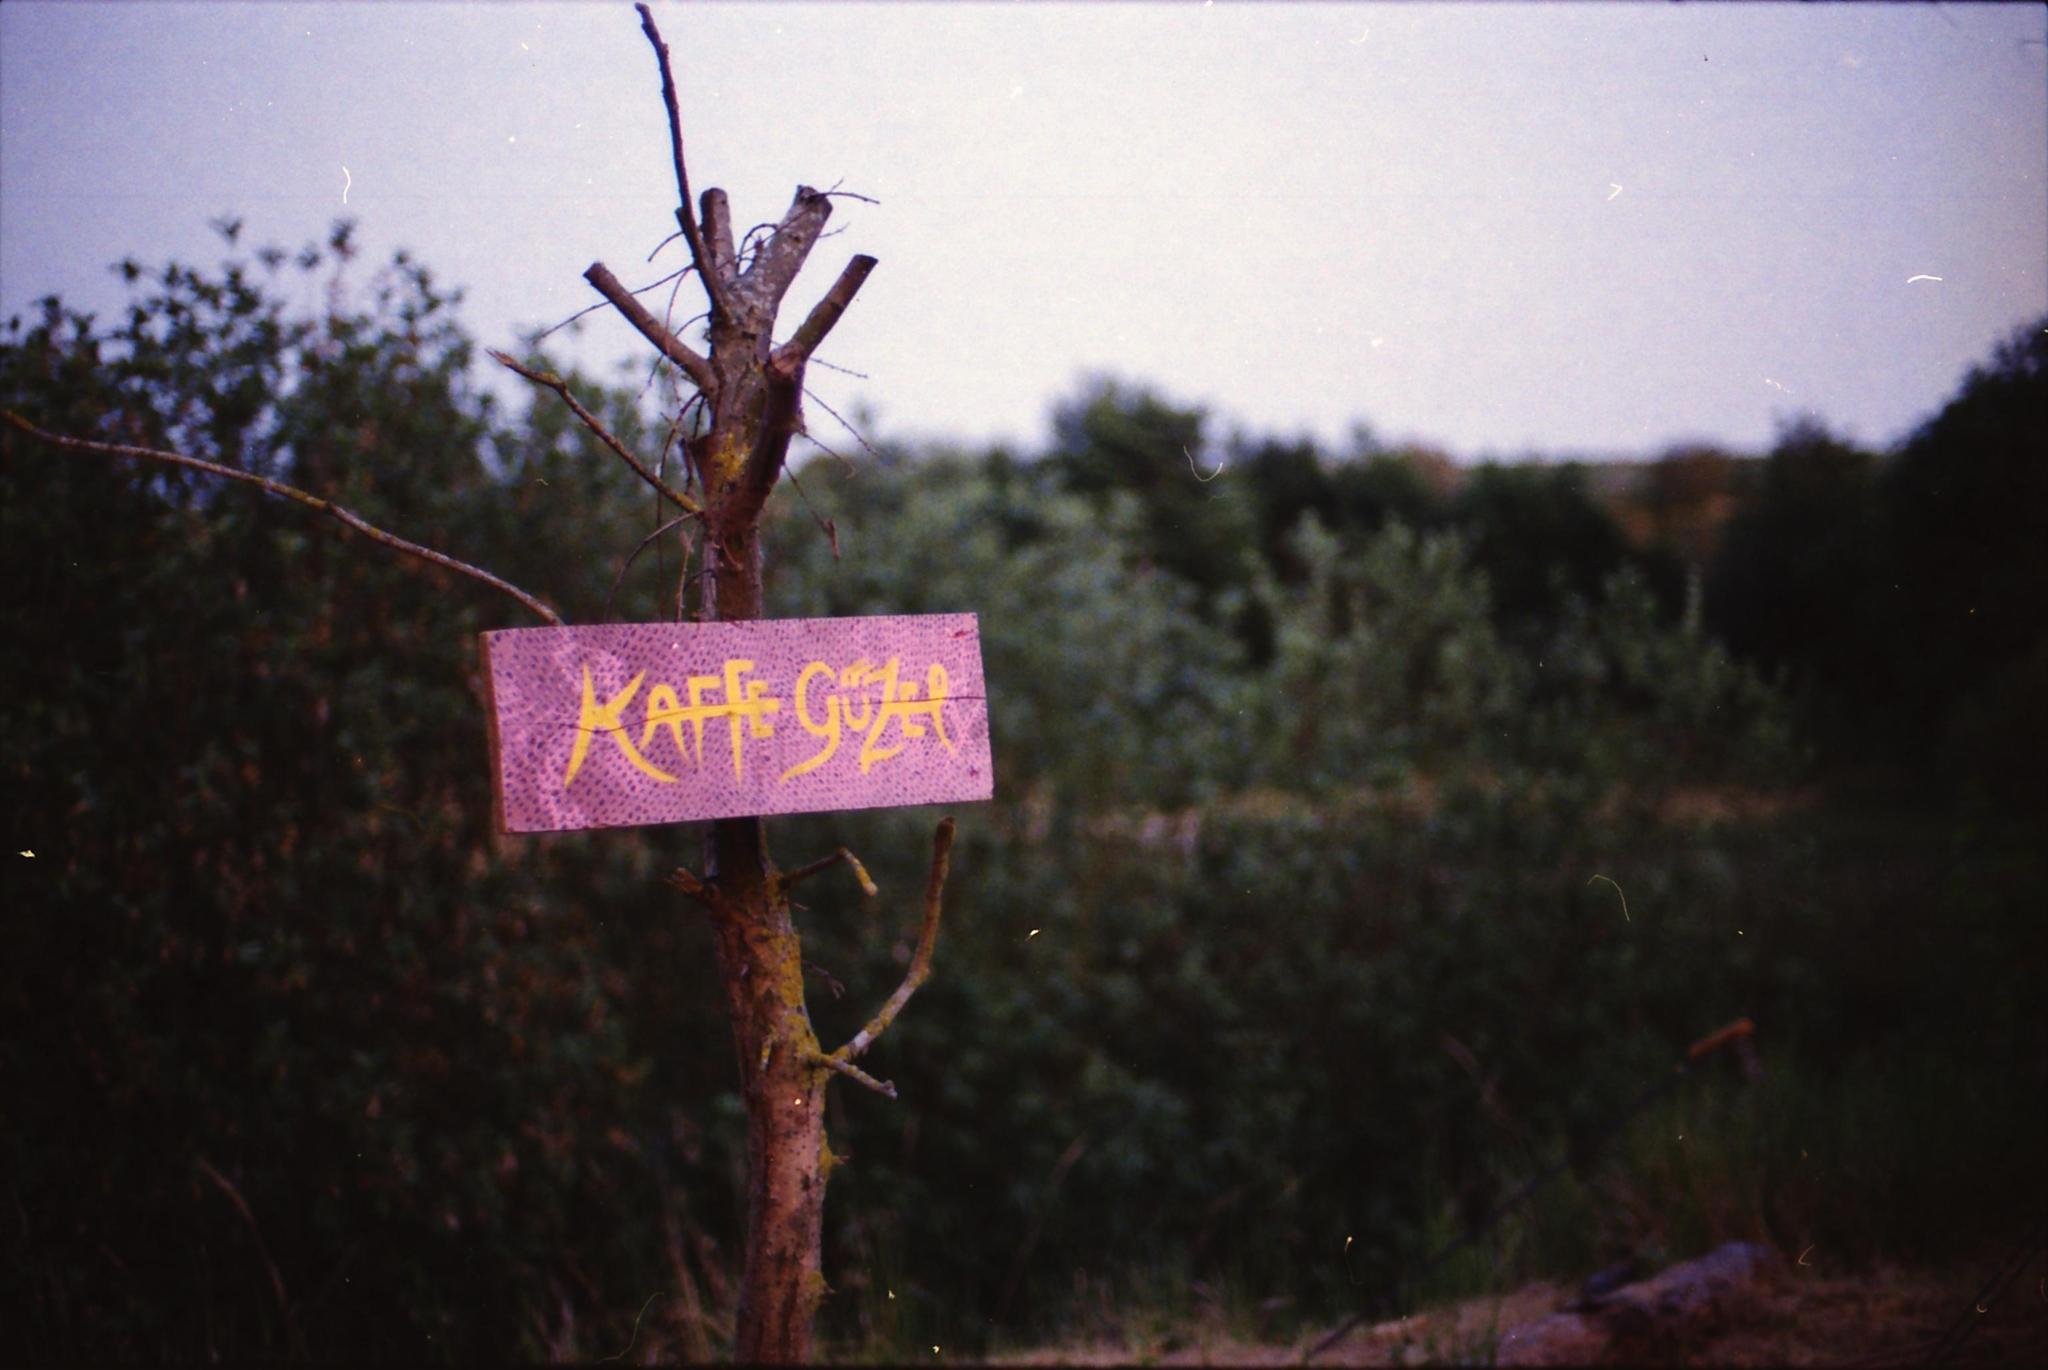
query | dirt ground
(1799,1317)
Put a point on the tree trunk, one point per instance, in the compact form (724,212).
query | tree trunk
(752,390)
(760,963)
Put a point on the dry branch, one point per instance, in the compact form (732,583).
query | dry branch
(886,1088)
(226,1186)
(536,339)
(550,381)
(825,313)
(634,555)
(294,494)
(789,879)
(713,285)
(694,366)
(921,960)
(811,394)
(705,893)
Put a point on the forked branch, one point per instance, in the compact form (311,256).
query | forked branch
(788,879)
(328,507)
(920,960)
(885,1088)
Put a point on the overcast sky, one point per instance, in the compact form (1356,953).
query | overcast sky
(1498,229)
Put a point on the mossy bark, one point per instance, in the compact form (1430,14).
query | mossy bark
(751,390)
(760,962)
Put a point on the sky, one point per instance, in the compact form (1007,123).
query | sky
(1500,230)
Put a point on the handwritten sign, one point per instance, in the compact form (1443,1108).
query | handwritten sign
(616,724)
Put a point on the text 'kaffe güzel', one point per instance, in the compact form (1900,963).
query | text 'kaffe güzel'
(619,724)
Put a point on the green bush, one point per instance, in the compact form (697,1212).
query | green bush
(1320,901)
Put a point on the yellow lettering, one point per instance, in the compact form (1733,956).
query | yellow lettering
(699,710)
(861,696)
(828,729)
(905,709)
(595,718)
(746,701)
(852,678)
(663,708)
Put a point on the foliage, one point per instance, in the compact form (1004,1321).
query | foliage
(266,933)
(1367,834)
(1794,581)
(1905,594)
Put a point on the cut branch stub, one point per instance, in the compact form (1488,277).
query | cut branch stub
(718,233)
(825,313)
(753,388)
(694,366)
(758,292)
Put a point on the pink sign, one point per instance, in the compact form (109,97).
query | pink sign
(618,724)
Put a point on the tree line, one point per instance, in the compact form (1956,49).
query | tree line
(1278,954)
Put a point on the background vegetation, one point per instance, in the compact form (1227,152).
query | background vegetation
(1279,957)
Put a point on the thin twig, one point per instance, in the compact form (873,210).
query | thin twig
(284,1305)
(751,240)
(842,370)
(296,495)
(828,450)
(788,879)
(627,564)
(921,959)
(683,576)
(810,394)
(593,308)
(851,195)
(686,217)
(671,440)
(885,1088)
(693,474)
(551,381)
(825,525)
(649,327)
(536,339)
(664,243)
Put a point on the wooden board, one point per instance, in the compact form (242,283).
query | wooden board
(615,725)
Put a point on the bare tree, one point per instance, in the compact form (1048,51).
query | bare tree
(749,389)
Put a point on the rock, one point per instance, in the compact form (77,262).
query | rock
(1681,1306)
(1560,1339)
(1599,1285)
